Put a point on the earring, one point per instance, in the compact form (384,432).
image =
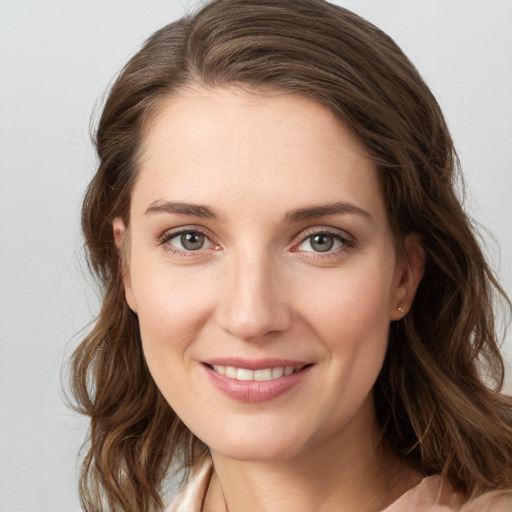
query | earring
(401,307)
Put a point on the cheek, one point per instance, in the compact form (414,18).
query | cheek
(171,316)
(168,299)
(172,308)
(349,314)
(348,302)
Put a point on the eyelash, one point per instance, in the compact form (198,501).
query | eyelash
(347,242)
(169,235)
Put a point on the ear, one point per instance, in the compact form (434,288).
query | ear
(409,270)
(121,241)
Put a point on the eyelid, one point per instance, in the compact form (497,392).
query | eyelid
(348,241)
(169,234)
(324,230)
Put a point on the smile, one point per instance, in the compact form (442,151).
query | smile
(263,374)
(256,381)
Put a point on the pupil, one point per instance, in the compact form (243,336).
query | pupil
(192,241)
(322,243)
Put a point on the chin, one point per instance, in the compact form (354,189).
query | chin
(263,445)
(257,452)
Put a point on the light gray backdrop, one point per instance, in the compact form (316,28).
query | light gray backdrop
(56,59)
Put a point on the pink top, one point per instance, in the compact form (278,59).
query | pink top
(432,494)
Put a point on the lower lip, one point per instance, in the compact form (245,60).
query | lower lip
(255,391)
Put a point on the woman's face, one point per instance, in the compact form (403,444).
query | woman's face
(261,265)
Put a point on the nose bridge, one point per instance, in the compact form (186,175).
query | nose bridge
(253,302)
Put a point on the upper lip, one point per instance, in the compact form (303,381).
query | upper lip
(256,364)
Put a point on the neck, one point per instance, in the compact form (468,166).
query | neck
(348,472)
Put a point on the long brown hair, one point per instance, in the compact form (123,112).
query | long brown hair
(435,408)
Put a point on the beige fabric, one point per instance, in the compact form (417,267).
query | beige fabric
(191,497)
(432,494)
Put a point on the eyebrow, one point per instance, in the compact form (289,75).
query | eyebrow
(206,212)
(193,210)
(340,207)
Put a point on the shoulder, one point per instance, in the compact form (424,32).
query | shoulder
(191,497)
(495,501)
(435,494)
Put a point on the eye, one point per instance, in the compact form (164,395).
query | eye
(186,241)
(320,243)
(192,241)
(326,242)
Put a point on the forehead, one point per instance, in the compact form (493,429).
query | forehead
(223,144)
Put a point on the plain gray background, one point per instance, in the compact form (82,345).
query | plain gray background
(56,61)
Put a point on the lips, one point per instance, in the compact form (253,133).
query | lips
(255,380)
(263,374)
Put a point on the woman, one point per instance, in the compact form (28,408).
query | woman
(295,305)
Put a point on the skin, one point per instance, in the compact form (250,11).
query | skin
(258,288)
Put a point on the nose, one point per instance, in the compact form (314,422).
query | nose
(253,302)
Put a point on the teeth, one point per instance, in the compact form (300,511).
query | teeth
(277,373)
(261,375)
(243,374)
(230,371)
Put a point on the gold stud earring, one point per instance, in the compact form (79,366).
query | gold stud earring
(401,307)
